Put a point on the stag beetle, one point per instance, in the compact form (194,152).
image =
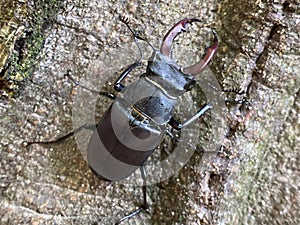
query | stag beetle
(135,124)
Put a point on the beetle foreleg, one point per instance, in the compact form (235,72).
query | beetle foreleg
(118,85)
(125,20)
(178,126)
(200,66)
(237,92)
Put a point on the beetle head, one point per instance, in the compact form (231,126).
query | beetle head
(164,71)
(167,75)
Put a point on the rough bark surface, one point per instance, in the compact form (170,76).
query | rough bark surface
(253,180)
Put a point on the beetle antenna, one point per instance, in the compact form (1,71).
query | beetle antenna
(126,21)
(237,91)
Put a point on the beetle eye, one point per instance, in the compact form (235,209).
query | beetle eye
(189,86)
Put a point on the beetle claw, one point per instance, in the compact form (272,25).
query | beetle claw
(124,19)
(215,36)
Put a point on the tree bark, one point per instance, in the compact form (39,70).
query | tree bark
(254,179)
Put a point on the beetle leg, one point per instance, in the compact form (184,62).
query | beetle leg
(199,66)
(126,21)
(178,126)
(143,173)
(144,206)
(106,94)
(166,46)
(84,126)
(118,85)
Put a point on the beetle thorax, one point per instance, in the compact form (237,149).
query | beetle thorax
(167,75)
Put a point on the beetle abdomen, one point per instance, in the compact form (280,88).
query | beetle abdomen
(118,147)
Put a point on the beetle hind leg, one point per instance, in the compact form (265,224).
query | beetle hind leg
(144,205)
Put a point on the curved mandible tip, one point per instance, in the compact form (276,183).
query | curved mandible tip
(166,46)
(200,66)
